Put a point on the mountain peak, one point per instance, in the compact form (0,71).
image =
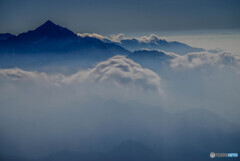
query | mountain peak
(49,22)
(49,26)
(50,30)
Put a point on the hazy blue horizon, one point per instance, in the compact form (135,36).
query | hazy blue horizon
(112,16)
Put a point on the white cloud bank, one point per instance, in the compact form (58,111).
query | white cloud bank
(150,39)
(206,59)
(111,38)
(117,70)
(120,71)
(19,74)
(93,35)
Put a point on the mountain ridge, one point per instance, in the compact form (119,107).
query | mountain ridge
(50,44)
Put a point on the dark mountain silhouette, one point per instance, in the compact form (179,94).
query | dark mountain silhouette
(152,59)
(149,54)
(50,43)
(53,45)
(6,36)
(50,37)
(158,44)
(48,30)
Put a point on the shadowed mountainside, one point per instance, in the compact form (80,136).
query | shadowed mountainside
(51,43)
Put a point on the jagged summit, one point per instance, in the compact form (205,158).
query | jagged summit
(49,22)
(48,25)
(50,30)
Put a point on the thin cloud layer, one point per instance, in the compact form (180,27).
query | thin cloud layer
(201,59)
(118,70)
(119,37)
(19,74)
(111,38)
(93,35)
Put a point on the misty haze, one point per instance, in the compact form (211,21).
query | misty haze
(141,95)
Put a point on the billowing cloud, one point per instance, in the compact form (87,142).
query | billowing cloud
(94,35)
(111,38)
(118,70)
(194,60)
(150,39)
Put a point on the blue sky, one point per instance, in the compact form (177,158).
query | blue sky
(114,16)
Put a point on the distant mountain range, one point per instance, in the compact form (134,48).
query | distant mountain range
(152,42)
(152,59)
(158,44)
(51,44)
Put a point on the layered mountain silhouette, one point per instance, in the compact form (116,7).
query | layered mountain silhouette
(50,37)
(154,42)
(50,43)
(159,44)
(152,59)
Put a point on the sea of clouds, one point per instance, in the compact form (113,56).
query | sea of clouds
(61,110)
